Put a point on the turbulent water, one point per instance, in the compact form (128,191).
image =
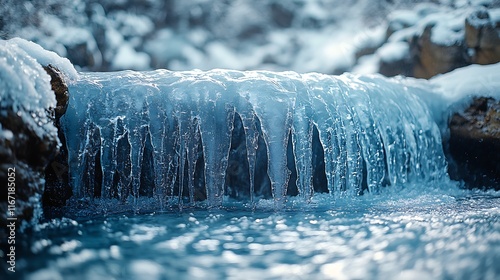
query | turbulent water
(444,234)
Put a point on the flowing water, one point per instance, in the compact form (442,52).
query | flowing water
(403,234)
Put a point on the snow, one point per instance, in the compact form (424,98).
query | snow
(315,35)
(45,57)
(393,51)
(128,58)
(132,25)
(403,18)
(368,64)
(448,28)
(457,88)
(167,47)
(494,15)
(25,86)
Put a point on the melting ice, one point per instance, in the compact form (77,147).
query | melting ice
(170,134)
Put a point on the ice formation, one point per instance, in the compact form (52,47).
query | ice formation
(168,134)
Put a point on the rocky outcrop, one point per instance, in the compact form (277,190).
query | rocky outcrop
(482,38)
(440,40)
(26,153)
(431,58)
(60,89)
(474,144)
(28,137)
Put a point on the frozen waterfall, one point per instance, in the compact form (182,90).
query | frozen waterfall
(181,135)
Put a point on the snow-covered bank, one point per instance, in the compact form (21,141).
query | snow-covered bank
(28,137)
(471,113)
(464,83)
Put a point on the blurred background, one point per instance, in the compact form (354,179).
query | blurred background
(408,37)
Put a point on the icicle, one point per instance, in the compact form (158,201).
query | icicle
(371,143)
(122,174)
(302,139)
(352,128)
(275,113)
(108,156)
(192,156)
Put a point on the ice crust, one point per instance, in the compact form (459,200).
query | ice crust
(374,131)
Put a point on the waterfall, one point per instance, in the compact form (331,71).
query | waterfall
(182,135)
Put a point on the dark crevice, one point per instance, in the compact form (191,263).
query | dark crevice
(185,182)
(364,182)
(200,192)
(262,181)
(320,183)
(386,181)
(292,189)
(147,184)
(237,183)
(92,173)
(98,172)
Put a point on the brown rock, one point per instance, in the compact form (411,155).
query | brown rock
(60,88)
(432,58)
(27,154)
(482,38)
(490,37)
(473,25)
(475,144)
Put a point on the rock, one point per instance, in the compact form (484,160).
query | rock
(482,38)
(432,58)
(439,43)
(401,20)
(475,144)
(397,67)
(60,88)
(57,189)
(27,153)
(473,25)
(85,52)
(28,137)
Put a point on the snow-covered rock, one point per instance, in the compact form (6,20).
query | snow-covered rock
(28,137)
(482,36)
(438,39)
(468,109)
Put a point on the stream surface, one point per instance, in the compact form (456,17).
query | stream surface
(400,234)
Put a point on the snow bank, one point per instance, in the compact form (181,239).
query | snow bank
(452,92)
(44,57)
(462,84)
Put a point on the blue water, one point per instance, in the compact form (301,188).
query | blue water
(401,234)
